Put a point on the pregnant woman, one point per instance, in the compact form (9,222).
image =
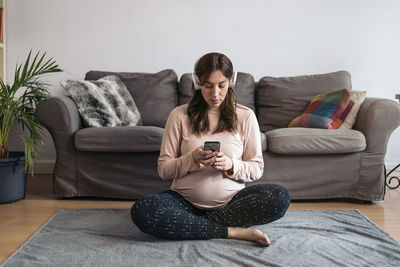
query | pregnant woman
(208,198)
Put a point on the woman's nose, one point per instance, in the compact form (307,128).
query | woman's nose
(215,90)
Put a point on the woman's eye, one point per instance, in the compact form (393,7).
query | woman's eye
(221,86)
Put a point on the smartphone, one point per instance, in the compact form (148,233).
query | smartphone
(212,145)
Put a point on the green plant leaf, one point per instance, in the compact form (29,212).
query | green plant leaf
(21,110)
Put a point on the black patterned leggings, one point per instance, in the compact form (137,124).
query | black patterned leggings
(168,215)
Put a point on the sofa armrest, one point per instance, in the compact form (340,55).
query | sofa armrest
(377,119)
(61,118)
(59,114)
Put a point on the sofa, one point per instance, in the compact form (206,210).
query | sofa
(121,162)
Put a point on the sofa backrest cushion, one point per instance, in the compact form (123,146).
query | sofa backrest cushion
(280,100)
(244,89)
(155,94)
(185,90)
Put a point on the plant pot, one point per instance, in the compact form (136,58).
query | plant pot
(12,178)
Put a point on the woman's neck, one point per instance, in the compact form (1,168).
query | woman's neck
(213,110)
(213,118)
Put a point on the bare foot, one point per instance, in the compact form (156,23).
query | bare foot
(249,235)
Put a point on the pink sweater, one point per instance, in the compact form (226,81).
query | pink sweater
(205,187)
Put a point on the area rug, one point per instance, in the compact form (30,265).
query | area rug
(301,238)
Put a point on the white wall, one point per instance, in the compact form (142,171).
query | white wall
(262,37)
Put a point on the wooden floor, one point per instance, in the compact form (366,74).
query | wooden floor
(19,220)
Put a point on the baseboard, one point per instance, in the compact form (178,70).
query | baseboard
(44,166)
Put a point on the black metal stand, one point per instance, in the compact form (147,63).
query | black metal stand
(387,176)
(391,178)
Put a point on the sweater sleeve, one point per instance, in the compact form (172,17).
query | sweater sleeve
(171,164)
(251,166)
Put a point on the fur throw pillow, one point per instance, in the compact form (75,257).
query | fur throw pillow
(103,103)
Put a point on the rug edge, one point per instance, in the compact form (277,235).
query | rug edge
(364,217)
(377,226)
(34,234)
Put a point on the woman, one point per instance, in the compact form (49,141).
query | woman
(208,198)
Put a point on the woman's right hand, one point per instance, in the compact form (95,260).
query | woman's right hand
(205,157)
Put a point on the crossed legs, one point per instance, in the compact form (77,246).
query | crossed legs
(168,215)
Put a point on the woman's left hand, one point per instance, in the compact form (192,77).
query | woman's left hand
(222,162)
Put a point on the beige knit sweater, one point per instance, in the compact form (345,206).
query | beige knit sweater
(205,187)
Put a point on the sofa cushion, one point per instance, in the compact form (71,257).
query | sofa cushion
(185,89)
(103,103)
(326,111)
(263,142)
(280,100)
(120,139)
(244,89)
(303,141)
(357,97)
(155,94)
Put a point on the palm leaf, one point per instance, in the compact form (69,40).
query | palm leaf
(21,110)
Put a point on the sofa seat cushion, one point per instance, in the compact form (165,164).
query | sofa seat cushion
(303,141)
(120,139)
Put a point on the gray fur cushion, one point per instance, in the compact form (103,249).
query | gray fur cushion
(103,103)
(155,94)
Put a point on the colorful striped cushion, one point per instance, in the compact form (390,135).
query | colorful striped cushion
(327,111)
(358,98)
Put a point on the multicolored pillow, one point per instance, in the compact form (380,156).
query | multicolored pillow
(327,111)
(358,98)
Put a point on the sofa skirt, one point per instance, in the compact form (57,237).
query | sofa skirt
(134,175)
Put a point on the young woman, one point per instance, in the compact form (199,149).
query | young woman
(208,197)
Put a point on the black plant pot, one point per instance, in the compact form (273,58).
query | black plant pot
(12,178)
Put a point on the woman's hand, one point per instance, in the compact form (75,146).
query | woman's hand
(223,163)
(205,157)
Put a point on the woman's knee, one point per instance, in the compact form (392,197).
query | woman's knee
(276,198)
(273,190)
(143,210)
(282,193)
(282,199)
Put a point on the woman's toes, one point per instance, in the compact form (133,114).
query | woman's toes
(262,238)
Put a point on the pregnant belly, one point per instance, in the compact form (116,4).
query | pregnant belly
(207,189)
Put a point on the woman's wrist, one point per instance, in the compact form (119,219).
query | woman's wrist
(230,171)
(193,156)
(194,159)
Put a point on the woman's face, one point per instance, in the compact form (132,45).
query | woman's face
(215,88)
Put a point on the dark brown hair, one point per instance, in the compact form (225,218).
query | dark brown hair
(197,108)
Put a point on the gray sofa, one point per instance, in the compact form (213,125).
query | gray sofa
(121,162)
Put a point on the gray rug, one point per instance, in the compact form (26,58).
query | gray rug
(301,238)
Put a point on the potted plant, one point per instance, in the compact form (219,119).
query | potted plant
(17,107)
